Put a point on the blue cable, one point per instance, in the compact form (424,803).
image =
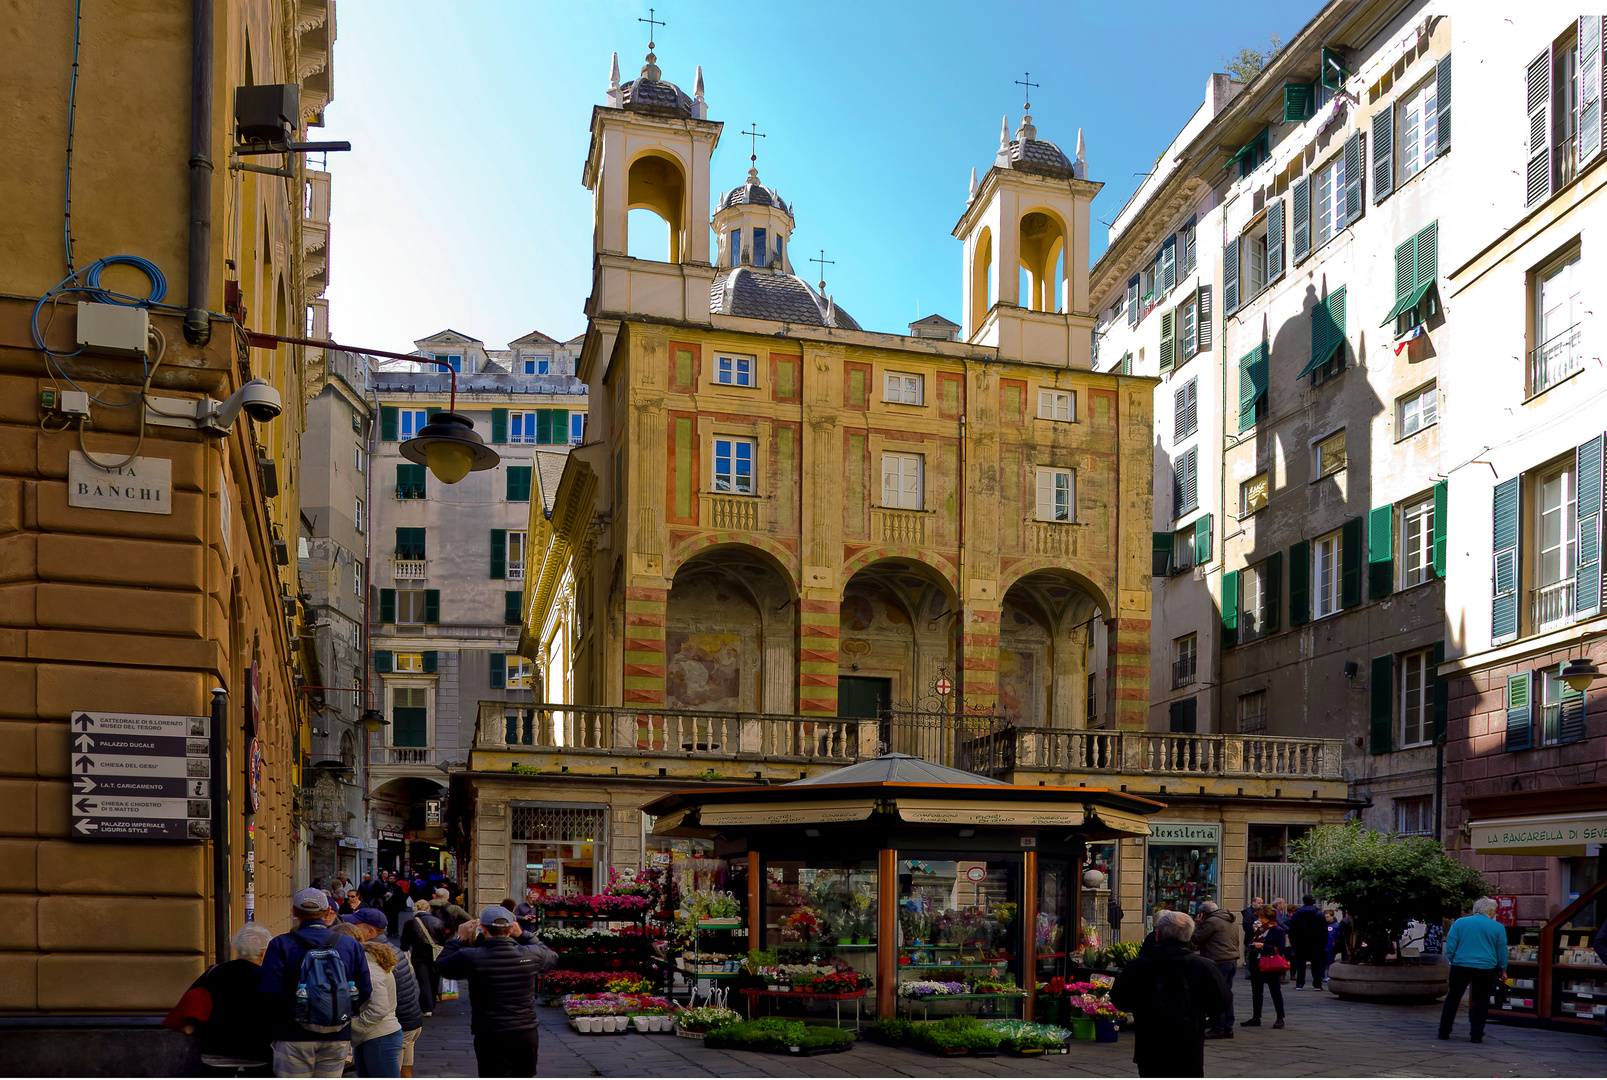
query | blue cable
(145,266)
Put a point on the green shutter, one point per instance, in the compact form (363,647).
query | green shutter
(499,554)
(1275,262)
(511,602)
(543,426)
(1505,548)
(1299,583)
(1202,541)
(1587,577)
(1161,555)
(1350,542)
(1520,728)
(1230,607)
(1271,591)
(1327,331)
(432,606)
(519,483)
(1333,69)
(1230,277)
(431,412)
(387,423)
(1383,147)
(430,660)
(560,426)
(1168,338)
(1382,684)
(1571,711)
(387,605)
(1442,694)
(384,661)
(1440,490)
(1381,552)
(1252,385)
(1416,270)
(1296,102)
(499,671)
(1300,214)
(499,425)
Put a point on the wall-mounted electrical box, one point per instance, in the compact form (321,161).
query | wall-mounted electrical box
(113,329)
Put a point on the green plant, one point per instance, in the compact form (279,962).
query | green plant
(1385,881)
(757,960)
(777,1036)
(1250,60)
(1123,952)
(894,1032)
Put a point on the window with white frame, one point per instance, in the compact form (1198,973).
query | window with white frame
(904,388)
(538,365)
(362,516)
(1330,454)
(1253,494)
(1557,546)
(733,370)
(357,579)
(453,360)
(1414,815)
(1325,575)
(733,466)
(1417,698)
(1417,543)
(1417,410)
(357,458)
(1056,495)
(1252,602)
(1253,713)
(1557,315)
(410,716)
(522,427)
(1188,328)
(1057,405)
(410,422)
(515,567)
(1328,202)
(1184,555)
(577,428)
(901,481)
(410,606)
(518,671)
(1184,653)
(1418,123)
(408,662)
(1254,264)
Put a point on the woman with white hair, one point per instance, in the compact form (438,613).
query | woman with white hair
(1476,949)
(227,1011)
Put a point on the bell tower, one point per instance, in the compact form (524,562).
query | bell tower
(1024,252)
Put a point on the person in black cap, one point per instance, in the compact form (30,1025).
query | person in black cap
(501,965)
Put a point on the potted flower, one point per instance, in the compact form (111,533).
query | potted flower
(696,1023)
(1385,881)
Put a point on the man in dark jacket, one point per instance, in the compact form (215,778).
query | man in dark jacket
(1308,936)
(299,1051)
(1219,938)
(1174,994)
(501,968)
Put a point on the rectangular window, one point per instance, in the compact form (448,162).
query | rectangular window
(1414,815)
(519,670)
(1325,574)
(1188,328)
(1184,555)
(410,481)
(1057,405)
(1093,700)
(1186,245)
(1253,713)
(410,606)
(362,517)
(1185,411)
(761,238)
(410,543)
(1328,202)
(411,422)
(901,481)
(1419,129)
(1331,454)
(1417,543)
(412,662)
(410,716)
(1252,602)
(1556,536)
(1184,650)
(1185,482)
(1416,411)
(454,360)
(1055,495)
(518,487)
(357,579)
(1253,495)
(359,458)
(733,466)
(733,370)
(1557,313)
(515,568)
(577,428)
(1417,698)
(522,427)
(538,365)
(903,388)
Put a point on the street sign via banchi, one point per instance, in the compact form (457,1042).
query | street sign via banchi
(141,776)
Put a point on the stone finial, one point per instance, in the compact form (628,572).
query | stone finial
(650,69)
(615,98)
(972,196)
(1026,131)
(1004,132)
(697,84)
(1082,158)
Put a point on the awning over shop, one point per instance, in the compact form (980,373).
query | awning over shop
(1116,824)
(1549,834)
(787,813)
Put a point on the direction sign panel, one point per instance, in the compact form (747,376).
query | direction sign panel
(141,776)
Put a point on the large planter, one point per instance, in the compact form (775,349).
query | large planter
(1421,981)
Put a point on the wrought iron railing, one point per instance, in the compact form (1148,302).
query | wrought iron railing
(1553,605)
(1183,671)
(1554,359)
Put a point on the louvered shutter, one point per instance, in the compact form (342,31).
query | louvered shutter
(499,671)
(1189,251)
(1382,684)
(1046,495)
(387,605)
(387,423)
(1426,259)
(1302,219)
(1590,87)
(1539,86)
(1520,725)
(1168,273)
(1271,590)
(1405,270)
(499,425)
(1230,277)
(1321,333)
(543,426)
(499,554)
(384,661)
(1336,325)
(1381,552)
(1161,554)
(1296,102)
(1504,544)
(1202,320)
(1132,300)
(1179,414)
(430,661)
(1440,493)
(1442,694)
(1230,607)
(1275,241)
(1252,385)
(1587,578)
(1442,101)
(432,606)
(1168,351)
(560,426)
(511,602)
(1202,541)
(1350,560)
(1191,496)
(1570,711)
(1179,475)
(1383,156)
(1355,154)
(1299,583)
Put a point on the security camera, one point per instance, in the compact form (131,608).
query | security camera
(257,397)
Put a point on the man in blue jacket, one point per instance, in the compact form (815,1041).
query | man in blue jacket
(1477,951)
(300,1051)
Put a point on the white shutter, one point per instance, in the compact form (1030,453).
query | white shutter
(1590,87)
(1539,102)
(1046,495)
(892,480)
(912,482)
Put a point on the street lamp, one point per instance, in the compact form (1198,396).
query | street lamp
(1579,674)
(449,447)
(374,721)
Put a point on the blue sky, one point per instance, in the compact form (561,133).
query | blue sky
(461,203)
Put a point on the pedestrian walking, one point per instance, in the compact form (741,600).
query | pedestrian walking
(424,937)
(1308,935)
(316,982)
(1477,951)
(1280,907)
(1175,994)
(451,915)
(1331,940)
(372,925)
(376,1033)
(1220,939)
(501,965)
(225,1008)
(1266,953)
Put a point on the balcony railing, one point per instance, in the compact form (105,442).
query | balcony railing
(898,526)
(1182,671)
(1553,605)
(515,571)
(732,512)
(984,745)
(414,755)
(1554,359)
(409,569)
(1054,538)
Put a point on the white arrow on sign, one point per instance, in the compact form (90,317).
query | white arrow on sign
(84,743)
(126,765)
(114,806)
(85,826)
(83,784)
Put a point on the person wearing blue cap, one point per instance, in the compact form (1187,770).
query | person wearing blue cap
(316,981)
(501,964)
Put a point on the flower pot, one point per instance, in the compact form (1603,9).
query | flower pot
(1399,983)
(1104,1031)
(1082,1028)
(584,1024)
(862,941)
(845,941)
(644,1024)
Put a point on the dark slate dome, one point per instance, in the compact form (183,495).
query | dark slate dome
(657,98)
(1041,158)
(896,769)
(754,194)
(780,297)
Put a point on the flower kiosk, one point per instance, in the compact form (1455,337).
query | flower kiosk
(931,890)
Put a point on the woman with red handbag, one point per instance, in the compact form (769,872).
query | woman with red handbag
(1266,948)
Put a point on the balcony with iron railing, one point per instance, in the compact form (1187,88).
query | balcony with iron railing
(1554,359)
(1183,671)
(1552,606)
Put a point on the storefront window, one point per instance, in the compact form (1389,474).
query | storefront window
(1098,887)
(1181,867)
(820,920)
(559,848)
(1052,937)
(960,935)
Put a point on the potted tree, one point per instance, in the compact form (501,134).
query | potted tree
(1384,881)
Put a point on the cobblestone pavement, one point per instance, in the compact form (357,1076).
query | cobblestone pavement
(1324,1037)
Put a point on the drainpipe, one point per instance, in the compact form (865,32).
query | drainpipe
(222,918)
(197,323)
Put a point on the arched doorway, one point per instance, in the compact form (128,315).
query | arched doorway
(728,634)
(408,816)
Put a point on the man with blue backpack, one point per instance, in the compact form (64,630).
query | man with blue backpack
(317,980)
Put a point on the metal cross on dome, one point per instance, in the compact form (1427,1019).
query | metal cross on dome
(1026,81)
(824,262)
(754,136)
(651,23)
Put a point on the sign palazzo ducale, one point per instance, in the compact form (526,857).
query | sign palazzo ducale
(141,776)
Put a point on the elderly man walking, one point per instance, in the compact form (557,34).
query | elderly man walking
(1477,951)
(501,967)
(1175,994)
(1219,938)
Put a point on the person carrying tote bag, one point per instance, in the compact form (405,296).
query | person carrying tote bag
(423,936)
(1266,949)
